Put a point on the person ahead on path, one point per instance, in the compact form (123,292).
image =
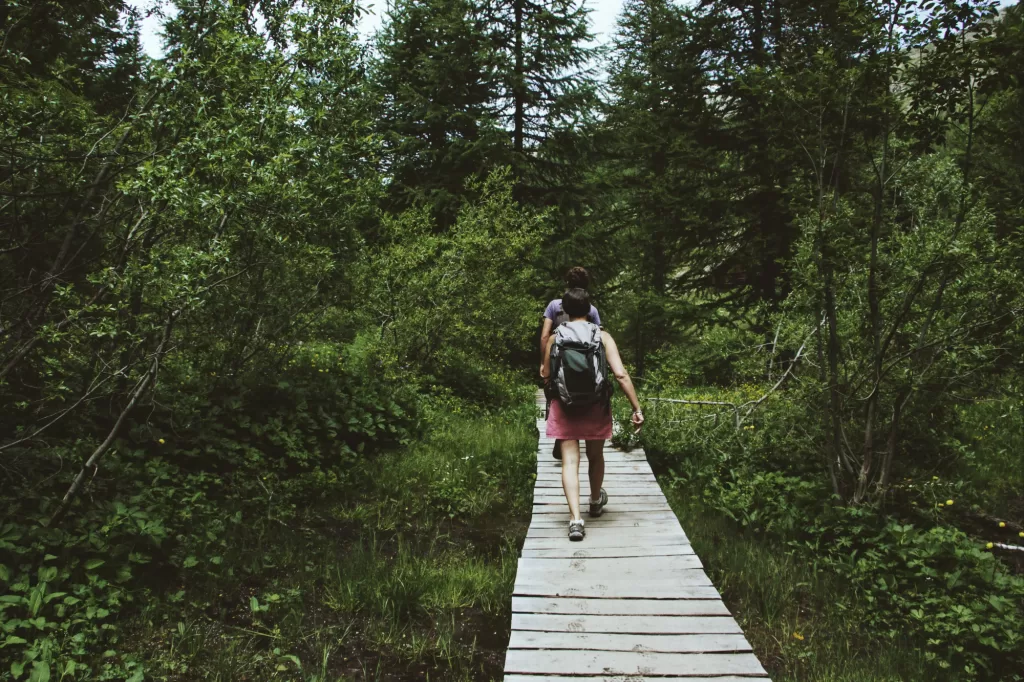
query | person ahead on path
(578,359)
(577,277)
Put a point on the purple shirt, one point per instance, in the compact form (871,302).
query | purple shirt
(555,307)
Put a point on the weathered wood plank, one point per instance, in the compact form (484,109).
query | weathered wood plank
(584,499)
(607,590)
(582,641)
(665,625)
(554,480)
(611,514)
(622,506)
(620,607)
(629,663)
(638,466)
(619,493)
(608,552)
(629,678)
(622,528)
(609,581)
(619,567)
(635,533)
(599,523)
(616,477)
(596,540)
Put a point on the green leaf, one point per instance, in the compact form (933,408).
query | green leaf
(136,676)
(94,564)
(190,561)
(17,669)
(12,640)
(40,672)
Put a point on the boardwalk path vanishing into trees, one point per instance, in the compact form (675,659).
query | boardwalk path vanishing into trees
(631,601)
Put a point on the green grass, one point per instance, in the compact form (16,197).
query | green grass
(793,616)
(407,578)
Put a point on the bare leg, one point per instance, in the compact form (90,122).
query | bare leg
(595,458)
(571,475)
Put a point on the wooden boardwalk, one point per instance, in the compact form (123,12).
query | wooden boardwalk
(631,601)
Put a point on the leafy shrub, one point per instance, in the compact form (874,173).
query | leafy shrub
(157,513)
(912,576)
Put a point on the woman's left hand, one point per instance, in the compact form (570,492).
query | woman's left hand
(637,419)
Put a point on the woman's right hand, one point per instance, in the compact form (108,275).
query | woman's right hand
(637,419)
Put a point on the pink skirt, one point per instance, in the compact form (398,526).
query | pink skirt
(593,422)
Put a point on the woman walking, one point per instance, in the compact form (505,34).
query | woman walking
(591,422)
(576,278)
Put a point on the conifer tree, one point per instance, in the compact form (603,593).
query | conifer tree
(662,164)
(437,84)
(547,98)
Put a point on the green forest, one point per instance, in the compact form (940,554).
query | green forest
(270,305)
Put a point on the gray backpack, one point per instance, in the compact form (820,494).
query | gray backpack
(579,367)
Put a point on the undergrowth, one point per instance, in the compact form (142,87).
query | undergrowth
(400,569)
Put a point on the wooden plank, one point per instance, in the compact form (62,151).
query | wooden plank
(634,533)
(598,524)
(623,506)
(610,480)
(610,514)
(607,552)
(596,539)
(627,567)
(618,477)
(609,467)
(547,462)
(620,494)
(629,663)
(623,678)
(620,590)
(585,499)
(664,625)
(621,607)
(582,641)
(545,457)
(667,526)
(608,579)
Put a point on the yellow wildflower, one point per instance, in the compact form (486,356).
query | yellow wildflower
(988,545)
(1002,524)
(1021,534)
(949,503)
(161,441)
(935,478)
(797,635)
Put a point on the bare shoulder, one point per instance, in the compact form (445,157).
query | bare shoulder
(606,337)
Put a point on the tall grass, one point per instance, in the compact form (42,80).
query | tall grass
(790,613)
(407,577)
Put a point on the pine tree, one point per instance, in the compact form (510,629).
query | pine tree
(435,77)
(547,97)
(662,164)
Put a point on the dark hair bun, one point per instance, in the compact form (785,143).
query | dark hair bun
(577,278)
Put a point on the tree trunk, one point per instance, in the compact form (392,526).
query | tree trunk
(140,389)
(519,84)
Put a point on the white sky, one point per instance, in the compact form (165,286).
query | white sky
(602,18)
